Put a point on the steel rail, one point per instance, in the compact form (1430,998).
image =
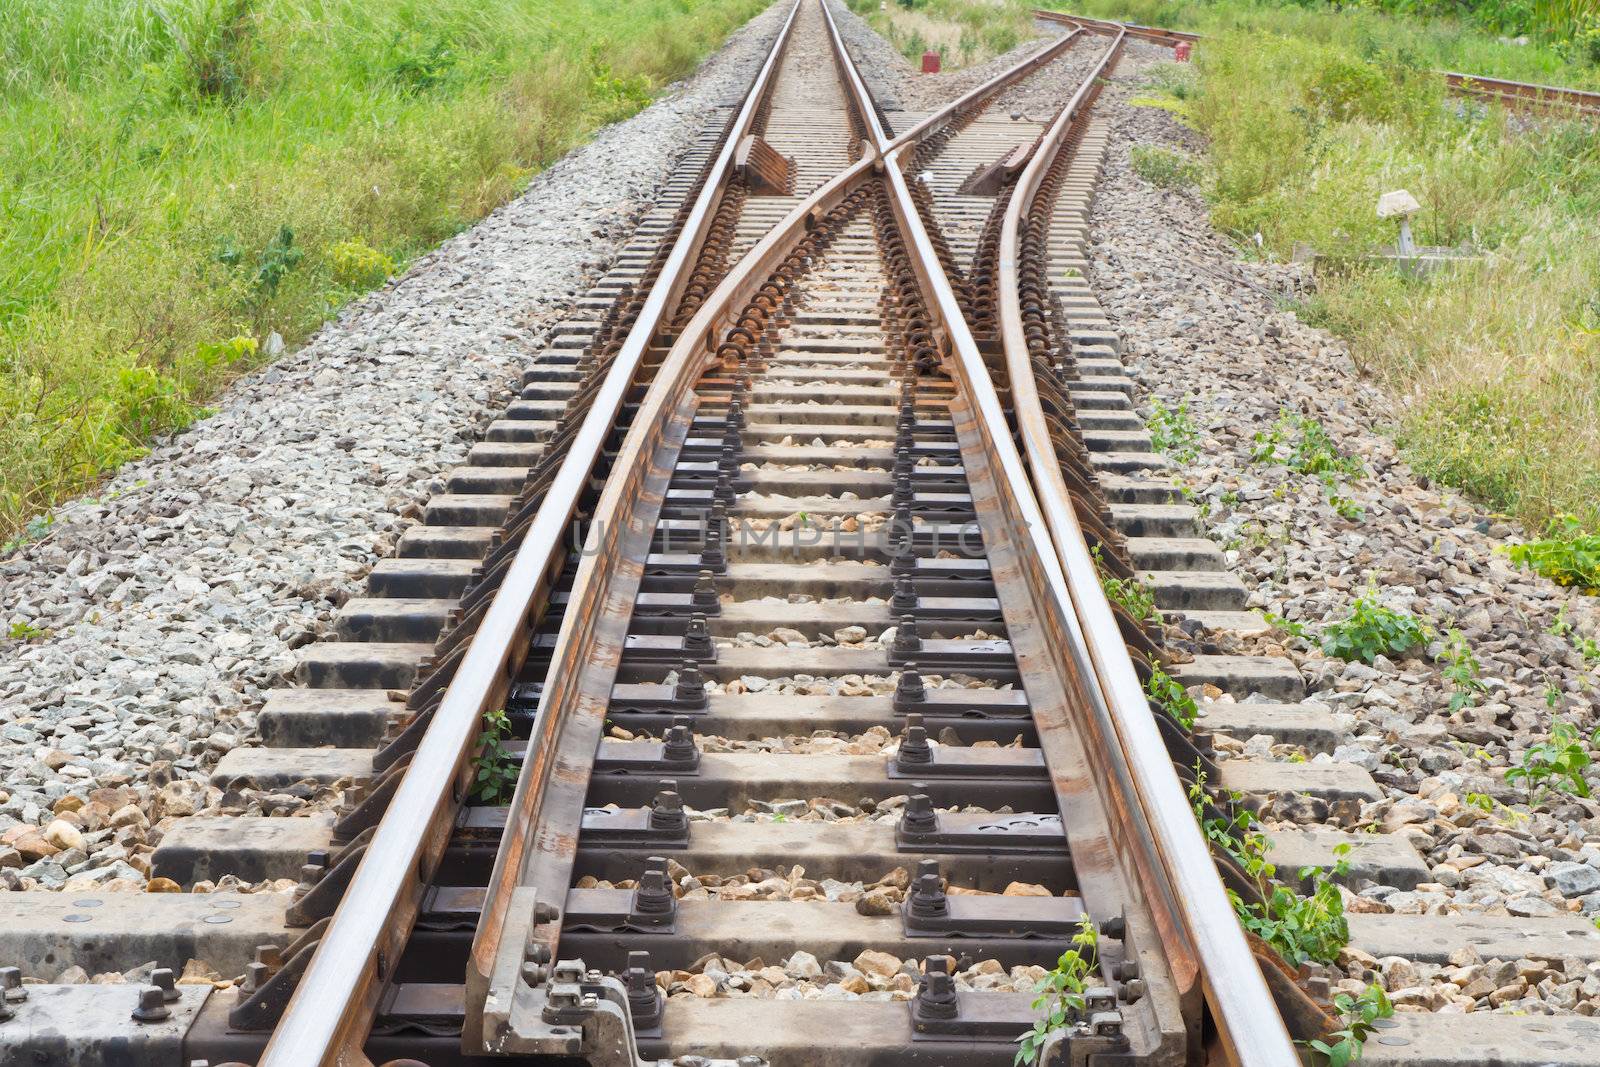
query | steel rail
(533,840)
(529,846)
(1527,94)
(1241,1003)
(1020,511)
(333,1005)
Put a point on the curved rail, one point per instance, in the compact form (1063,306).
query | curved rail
(327,1019)
(1239,998)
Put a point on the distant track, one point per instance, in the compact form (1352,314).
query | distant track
(1515,94)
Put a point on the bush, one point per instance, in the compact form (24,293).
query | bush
(357,266)
(1164,168)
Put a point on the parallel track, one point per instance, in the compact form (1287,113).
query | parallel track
(834,619)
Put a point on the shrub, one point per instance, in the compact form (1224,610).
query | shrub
(358,266)
(1565,555)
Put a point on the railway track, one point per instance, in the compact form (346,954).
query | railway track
(1523,95)
(786,570)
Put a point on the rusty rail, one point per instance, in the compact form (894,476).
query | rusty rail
(1517,94)
(1203,928)
(328,1017)
(528,886)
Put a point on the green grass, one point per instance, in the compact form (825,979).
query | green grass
(1310,116)
(963,32)
(179,179)
(1469,44)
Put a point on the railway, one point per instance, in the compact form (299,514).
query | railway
(822,738)
(1531,96)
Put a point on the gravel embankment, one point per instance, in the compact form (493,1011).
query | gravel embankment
(175,597)
(1204,328)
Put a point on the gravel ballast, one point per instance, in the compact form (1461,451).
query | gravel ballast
(172,600)
(1203,328)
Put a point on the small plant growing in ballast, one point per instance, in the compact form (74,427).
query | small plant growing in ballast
(1168,694)
(1557,762)
(1359,1014)
(1172,431)
(496,779)
(1373,630)
(1565,555)
(1461,669)
(1135,597)
(1061,992)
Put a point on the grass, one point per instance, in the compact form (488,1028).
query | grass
(180,181)
(963,32)
(1311,114)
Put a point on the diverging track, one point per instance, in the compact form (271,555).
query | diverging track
(826,738)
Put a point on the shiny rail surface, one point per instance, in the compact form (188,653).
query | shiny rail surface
(326,1021)
(1203,926)
(711,343)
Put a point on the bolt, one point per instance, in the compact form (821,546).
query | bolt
(652,893)
(936,993)
(914,748)
(705,592)
(906,638)
(928,899)
(691,687)
(163,979)
(14,992)
(545,912)
(909,692)
(152,1006)
(666,809)
(905,598)
(918,816)
(678,746)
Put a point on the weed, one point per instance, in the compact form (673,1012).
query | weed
(1310,449)
(1373,630)
(1289,626)
(358,266)
(213,356)
(419,64)
(1301,443)
(1133,594)
(1359,1014)
(1586,646)
(496,779)
(1556,763)
(1300,927)
(277,259)
(155,153)
(33,530)
(25,631)
(1163,167)
(1168,694)
(1061,992)
(1565,555)
(1172,431)
(1461,671)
